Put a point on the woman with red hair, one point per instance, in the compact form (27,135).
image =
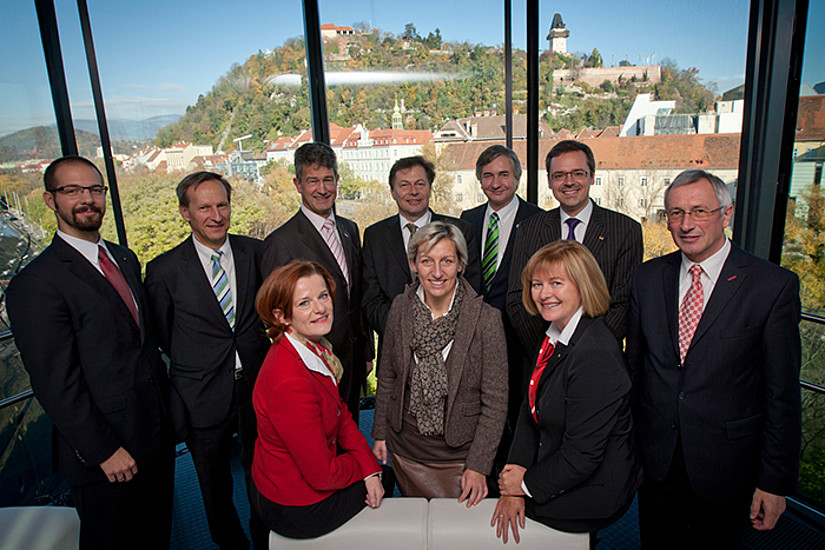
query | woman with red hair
(312,469)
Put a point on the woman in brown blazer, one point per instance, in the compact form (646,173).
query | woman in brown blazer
(442,385)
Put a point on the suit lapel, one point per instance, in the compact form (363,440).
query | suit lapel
(81,268)
(596,231)
(464,330)
(244,275)
(552,226)
(134,286)
(312,239)
(733,275)
(191,266)
(394,246)
(670,285)
(350,252)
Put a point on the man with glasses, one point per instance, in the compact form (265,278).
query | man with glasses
(81,322)
(714,353)
(614,239)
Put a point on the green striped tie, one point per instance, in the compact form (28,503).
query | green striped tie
(220,285)
(490,259)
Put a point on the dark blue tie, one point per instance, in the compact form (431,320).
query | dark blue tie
(572,223)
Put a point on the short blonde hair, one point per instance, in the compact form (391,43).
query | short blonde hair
(582,269)
(433,232)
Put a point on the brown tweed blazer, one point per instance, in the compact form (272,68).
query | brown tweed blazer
(476,376)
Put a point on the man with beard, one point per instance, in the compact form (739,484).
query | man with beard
(80,320)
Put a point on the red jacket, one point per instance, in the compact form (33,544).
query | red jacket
(308,446)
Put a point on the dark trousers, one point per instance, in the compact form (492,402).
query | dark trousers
(304,522)
(672,515)
(135,514)
(211,450)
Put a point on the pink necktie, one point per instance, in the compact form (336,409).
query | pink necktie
(115,277)
(691,311)
(328,229)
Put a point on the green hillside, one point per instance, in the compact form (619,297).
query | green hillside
(21,145)
(469,78)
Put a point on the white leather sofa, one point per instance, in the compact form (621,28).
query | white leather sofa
(441,524)
(39,527)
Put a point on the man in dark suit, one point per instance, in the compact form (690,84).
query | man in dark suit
(714,352)
(498,170)
(202,294)
(386,266)
(80,320)
(316,233)
(614,239)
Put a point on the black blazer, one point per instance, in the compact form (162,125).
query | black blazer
(97,374)
(192,329)
(615,241)
(298,239)
(387,269)
(497,295)
(735,402)
(581,460)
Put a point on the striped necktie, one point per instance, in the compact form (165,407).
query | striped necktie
(490,259)
(220,286)
(328,232)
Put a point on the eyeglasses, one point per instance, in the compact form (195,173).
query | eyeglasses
(73,191)
(697,214)
(561,177)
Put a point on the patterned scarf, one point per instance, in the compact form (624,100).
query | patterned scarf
(322,349)
(428,380)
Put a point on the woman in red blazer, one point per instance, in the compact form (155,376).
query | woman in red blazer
(312,468)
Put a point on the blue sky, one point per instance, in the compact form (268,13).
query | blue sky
(155,57)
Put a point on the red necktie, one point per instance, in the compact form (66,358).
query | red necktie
(691,311)
(115,277)
(545,353)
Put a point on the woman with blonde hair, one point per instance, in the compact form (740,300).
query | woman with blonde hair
(572,464)
(442,383)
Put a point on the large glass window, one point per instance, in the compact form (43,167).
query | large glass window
(650,102)
(804,249)
(28,139)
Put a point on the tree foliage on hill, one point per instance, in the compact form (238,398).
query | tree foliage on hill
(249,100)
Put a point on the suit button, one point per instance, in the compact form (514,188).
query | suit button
(681,395)
(673,426)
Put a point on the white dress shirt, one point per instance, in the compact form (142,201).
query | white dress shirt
(711,269)
(584,220)
(228,264)
(419,223)
(506,221)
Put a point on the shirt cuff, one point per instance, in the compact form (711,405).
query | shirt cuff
(524,488)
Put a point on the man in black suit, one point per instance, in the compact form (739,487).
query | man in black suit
(215,347)
(714,353)
(614,239)
(498,170)
(386,267)
(316,233)
(80,320)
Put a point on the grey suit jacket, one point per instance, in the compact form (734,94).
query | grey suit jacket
(476,377)
(615,241)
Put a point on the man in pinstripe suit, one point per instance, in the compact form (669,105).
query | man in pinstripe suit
(614,239)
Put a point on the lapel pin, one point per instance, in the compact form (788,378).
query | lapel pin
(731,278)
(601,237)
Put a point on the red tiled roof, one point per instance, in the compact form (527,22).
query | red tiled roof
(810,123)
(708,151)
